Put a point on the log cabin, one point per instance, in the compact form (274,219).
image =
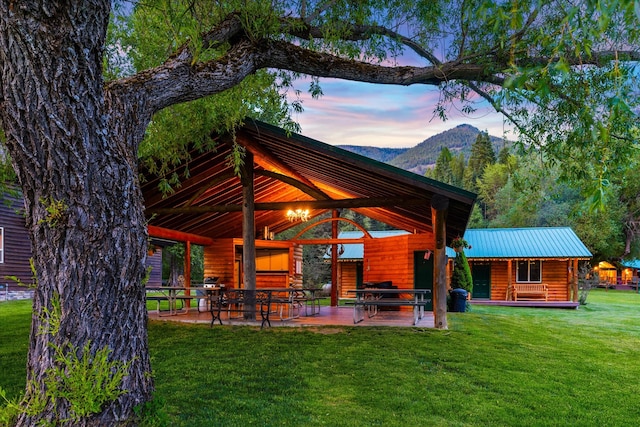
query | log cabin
(503,258)
(630,274)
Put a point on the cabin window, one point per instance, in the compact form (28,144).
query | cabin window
(529,271)
(1,245)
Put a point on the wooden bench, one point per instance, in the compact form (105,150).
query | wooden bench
(530,291)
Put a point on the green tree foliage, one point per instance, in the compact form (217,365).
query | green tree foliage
(457,169)
(494,178)
(173,263)
(442,171)
(159,27)
(482,155)
(601,231)
(461,276)
(448,168)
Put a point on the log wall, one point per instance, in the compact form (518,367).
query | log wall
(223,259)
(16,245)
(347,278)
(391,258)
(219,261)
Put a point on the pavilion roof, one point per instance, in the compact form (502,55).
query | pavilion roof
(295,171)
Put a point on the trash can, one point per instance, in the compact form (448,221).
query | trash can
(458,300)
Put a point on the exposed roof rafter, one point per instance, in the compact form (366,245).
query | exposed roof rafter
(292,171)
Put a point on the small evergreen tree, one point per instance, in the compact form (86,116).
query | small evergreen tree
(461,277)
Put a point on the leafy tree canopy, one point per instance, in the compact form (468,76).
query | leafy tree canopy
(563,73)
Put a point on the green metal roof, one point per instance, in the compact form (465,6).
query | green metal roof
(539,242)
(633,263)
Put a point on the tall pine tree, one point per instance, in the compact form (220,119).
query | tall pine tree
(442,171)
(482,154)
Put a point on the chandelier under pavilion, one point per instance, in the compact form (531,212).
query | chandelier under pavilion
(298,215)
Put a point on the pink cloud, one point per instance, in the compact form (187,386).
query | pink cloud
(358,113)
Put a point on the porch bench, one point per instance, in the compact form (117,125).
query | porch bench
(529,291)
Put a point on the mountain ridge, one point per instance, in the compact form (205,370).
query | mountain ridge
(422,156)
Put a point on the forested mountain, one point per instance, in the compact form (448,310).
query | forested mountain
(417,159)
(376,153)
(424,155)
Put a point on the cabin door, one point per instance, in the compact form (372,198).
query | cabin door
(481,273)
(359,275)
(423,275)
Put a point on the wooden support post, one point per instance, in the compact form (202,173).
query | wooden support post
(248,232)
(187,271)
(509,296)
(439,207)
(574,281)
(334,259)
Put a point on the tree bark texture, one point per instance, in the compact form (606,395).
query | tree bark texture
(73,154)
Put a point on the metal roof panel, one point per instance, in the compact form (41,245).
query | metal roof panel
(535,242)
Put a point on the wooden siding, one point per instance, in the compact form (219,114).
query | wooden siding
(385,259)
(295,255)
(16,245)
(223,259)
(391,258)
(272,280)
(346,279)
(499,280)
(555,273)
(219,261)
(155,262)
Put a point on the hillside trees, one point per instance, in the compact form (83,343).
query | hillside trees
(526,192)
(443,170)
(482,155)
(74,137)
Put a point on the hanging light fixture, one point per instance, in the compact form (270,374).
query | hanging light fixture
(298,215)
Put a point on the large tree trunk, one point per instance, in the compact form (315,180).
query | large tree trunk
(77,169)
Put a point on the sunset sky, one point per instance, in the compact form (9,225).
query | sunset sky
(357,113)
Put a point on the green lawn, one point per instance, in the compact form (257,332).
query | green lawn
(494,366)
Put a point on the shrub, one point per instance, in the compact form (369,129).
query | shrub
(461,277)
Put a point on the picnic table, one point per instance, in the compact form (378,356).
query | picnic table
(287,302)
(370,299)
(175,296)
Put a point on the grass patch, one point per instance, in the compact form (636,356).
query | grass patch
(15,324)
(495,366)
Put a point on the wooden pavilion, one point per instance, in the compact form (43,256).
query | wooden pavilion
(234,217)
